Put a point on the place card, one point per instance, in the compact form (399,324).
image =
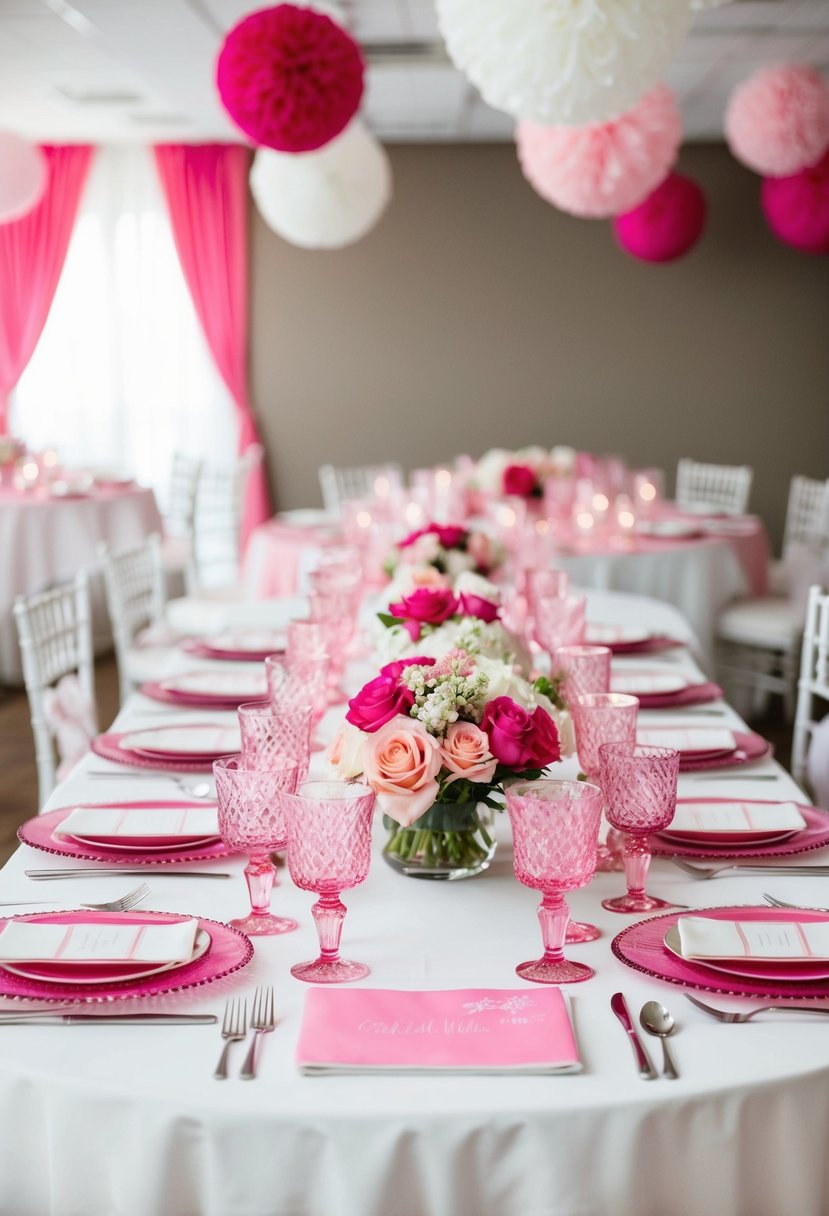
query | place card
(97,941)
(105,823)
(483,1030)
(690,739)
(737,817)
(703,937)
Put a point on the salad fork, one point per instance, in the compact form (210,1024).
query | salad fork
(234,1029)
(781,903)
(263,1021)
(724,1015)
(704,872)
(130,900)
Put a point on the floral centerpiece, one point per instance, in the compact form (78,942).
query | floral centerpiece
(521,473)
(448,548)
(438,741)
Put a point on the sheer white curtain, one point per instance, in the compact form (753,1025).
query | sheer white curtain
(122,376)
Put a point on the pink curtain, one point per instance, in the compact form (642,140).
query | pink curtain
(206,187)
(32,253)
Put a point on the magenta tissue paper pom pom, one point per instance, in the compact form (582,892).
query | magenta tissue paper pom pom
(290,77)
(667,224)
(797,208)
(777,121)
(603,168)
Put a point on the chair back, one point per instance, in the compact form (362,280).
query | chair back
(814,679)
(725,487)
(338,485)
(55,633)
(135,593)
(180,510)
(807,517)
(220,506)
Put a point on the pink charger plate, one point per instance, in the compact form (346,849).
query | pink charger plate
(186,700)
(814,836)
(642,947)
(108,747)
(39,833)
(694,694)
(204,651)
(749,747)
(229,951)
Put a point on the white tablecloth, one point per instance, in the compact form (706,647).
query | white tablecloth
(46,541)
(128,1122)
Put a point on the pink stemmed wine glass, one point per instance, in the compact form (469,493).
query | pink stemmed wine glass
(639,787)
(251,820)
(558,621)
(555,832)
(329,850)
(330,611)
(299,682)
(271,735)
(585,669)
(603,717)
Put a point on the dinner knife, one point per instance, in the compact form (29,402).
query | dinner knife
(160,871)
(108,1019)
(619,1007)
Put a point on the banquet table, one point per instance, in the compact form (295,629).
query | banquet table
(46,540)
(122,1122)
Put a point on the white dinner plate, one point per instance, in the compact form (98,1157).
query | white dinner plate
(667,529)
(806,969)
(636,683)
(602,635)
(200,740)
(245,641)
(242,683)
(63,975)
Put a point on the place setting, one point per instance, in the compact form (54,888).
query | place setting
(663,689)
(234,646)
(209,688)
(707,747)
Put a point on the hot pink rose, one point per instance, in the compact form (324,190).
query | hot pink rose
(520,739)
(394,669)
(465,752)
(450,535)
(377,702)
(477,606)
(427,605)
(412,537)
(519,479)
(401,762)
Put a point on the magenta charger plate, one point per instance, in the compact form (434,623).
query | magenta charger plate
(157,692)
(204,651)
(642,947)
(749,747)
(108,746)
(39,833)
(694,694)
(229,951)
(815,835)
(645,646)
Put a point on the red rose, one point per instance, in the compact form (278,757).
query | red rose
(378,702)
(427,605)
(450,535)
(520,739)
(520,479)
(477,606)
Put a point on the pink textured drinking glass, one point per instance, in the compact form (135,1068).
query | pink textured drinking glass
(585,669)
(329,850)
(603,717)
(546,585)
(272,735)
(558,621)
(298,682)
(330,611)
(555,832)
(639,788)
(251,820)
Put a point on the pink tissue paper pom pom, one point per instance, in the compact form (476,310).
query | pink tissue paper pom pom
(797,208)
(667,224)
(777,121)
(290,78)
(603,168)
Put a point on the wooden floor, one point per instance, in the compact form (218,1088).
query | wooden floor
(18,789)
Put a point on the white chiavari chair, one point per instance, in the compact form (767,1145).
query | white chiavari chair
(806,534)
(722,487)
(218,521)
(55,633)
(813,686)
(339,485)
(136,595)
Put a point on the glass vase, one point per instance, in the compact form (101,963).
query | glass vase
(451,840)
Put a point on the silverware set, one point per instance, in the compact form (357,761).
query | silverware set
(655,1020)
(235,1028)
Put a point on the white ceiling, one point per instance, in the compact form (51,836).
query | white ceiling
(142,70)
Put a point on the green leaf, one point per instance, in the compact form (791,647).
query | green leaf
(385,618)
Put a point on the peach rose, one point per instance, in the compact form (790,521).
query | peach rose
(428,576)
(401,762)
(465,752)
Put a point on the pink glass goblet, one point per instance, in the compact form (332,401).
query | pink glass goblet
(555,831)
(603,717)
(639,788)
(585,669)
(251,820)
(558,621)
(329,850)
(331,613)
(299,682)
(270,736)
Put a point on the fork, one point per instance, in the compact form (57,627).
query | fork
(234,1029)
(703,872)
(130,900)
(199,789)
(723,1015)
(781,903)
(263,1021)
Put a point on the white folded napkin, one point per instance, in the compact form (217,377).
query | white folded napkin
(704,937)
(692,739)
(173,822)
(97,942)
(736,817)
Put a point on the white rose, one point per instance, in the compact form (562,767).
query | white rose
(470,583)
(563,459)
(490,469)
(457,562)
(346,752)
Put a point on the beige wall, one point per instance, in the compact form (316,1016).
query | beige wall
(476,315)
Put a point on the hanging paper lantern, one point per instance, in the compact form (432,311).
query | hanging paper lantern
(290,77)
(667,224)
(604,167)
(777,121)
(563,61)
(797,207)
(325,199)
(22,176)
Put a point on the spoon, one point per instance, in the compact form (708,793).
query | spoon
(656,1019)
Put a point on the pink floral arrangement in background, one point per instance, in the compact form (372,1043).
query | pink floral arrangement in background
(522,472)
(448,549)
(433,606)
